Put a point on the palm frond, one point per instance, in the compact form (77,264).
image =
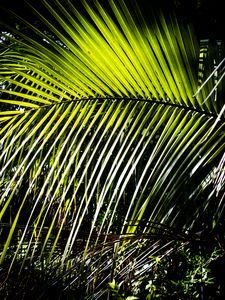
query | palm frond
(107,120)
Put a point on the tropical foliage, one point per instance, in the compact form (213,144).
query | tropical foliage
(112,141)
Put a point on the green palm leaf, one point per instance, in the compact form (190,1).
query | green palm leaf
(106,126)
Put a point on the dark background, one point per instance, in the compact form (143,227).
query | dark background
(207,16)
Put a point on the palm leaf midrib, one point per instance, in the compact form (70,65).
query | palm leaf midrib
(149,101)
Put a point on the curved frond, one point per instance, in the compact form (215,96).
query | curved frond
(109,124)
